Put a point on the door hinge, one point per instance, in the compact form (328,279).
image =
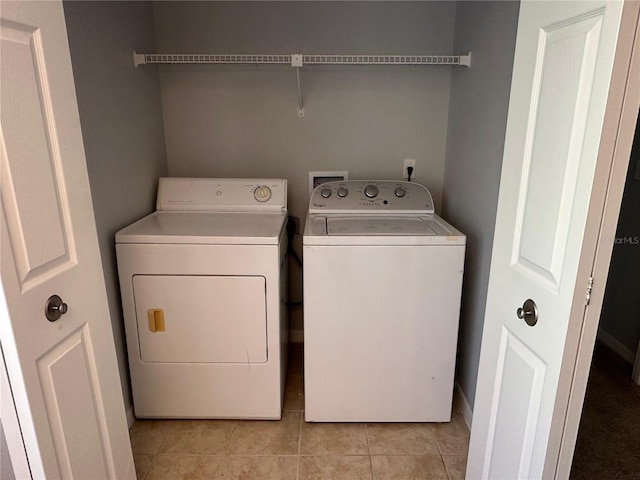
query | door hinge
(587,299)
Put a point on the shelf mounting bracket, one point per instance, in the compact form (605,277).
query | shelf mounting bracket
(296,62)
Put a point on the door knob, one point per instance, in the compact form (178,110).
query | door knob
(528,312)
(55,308)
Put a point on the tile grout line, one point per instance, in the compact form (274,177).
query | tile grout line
(227,449)
(444,464)
(366,429)
(300,420)
(435,437)
(237,455)
(157,452)
(446,469)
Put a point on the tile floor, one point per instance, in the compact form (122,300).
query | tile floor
(291,449)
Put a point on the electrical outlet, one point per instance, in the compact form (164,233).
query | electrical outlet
(408,162)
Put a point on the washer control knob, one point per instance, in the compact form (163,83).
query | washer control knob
(371,191)
(400,192)
(325,192)
(262,193)
(343,192)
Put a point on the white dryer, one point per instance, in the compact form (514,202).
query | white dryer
(203,282)
(382,287)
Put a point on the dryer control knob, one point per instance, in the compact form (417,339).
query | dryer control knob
(325,192)
(262,194)
(400,192)
(343,192)
(371,191)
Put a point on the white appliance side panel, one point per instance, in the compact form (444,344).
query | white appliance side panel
(381,325)
(207,319)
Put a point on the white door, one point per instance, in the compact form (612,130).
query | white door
(562,67)
(63,373)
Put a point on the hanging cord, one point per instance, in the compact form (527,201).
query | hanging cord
(291,232)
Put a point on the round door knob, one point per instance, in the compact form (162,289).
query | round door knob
(55,308)
(371,191)
(400,192)
(343,192)
(325,192)
(528,312)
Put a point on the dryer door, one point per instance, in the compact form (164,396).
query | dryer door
(201,319)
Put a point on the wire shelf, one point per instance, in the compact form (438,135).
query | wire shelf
(298,60)
(381,60)
(294,59)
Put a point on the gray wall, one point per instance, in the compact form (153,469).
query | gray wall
(241,121)
(475,141)
(620,316)
(121,116)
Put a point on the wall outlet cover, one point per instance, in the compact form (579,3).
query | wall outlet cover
(408,162)
(318,178)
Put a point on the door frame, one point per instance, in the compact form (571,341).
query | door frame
(604,209)
(636,367)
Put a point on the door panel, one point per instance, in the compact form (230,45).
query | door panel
(31,160)
(68,377)
(519,380)
(563,80)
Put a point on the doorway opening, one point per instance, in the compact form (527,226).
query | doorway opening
(608,443)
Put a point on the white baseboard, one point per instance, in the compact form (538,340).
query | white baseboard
(462,401)
(131,418)
(616,346)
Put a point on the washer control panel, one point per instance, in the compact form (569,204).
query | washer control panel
(221,194)
(371,196)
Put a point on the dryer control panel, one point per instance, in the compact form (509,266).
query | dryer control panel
(222,194)
(371,196)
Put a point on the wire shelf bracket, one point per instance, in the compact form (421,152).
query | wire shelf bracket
(298,60)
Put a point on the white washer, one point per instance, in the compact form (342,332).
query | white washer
(382,286)
(203,292)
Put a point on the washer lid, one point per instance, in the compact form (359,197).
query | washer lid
(380,230)
(205,228)
(337,225)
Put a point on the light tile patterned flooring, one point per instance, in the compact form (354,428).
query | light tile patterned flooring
(291,449)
